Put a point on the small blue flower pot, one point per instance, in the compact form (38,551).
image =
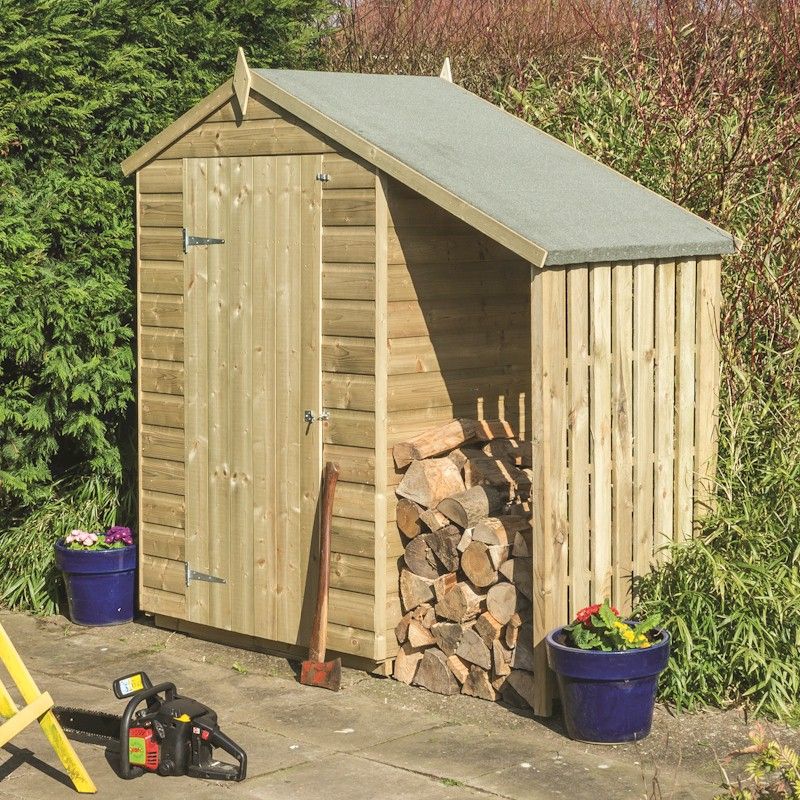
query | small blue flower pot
(607,698)
(101,584)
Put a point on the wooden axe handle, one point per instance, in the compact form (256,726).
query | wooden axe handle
(316,649)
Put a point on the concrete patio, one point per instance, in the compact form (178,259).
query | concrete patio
(375,739)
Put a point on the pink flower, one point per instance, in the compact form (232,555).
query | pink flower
(81,537)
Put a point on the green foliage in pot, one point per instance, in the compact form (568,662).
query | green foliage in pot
(601,627)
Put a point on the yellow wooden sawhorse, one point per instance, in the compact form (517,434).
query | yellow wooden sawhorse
(39,706)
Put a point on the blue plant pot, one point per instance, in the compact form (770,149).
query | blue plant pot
(607,697)
(101,584)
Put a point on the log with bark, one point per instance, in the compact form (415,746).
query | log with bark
(434,519)
(460,604)
(469,507)
(414,589)
(419,557)
(501,601)
(408,518)
(435,442)
(476,561)
(434,674)
(499,530)
(406,662)
(444,544)
(429,482)
(520,572)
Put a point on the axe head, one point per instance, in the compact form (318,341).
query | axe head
(327,674)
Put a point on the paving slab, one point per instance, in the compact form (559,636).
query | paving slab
(339,721)
(346,777)
(550,775)
(456,752)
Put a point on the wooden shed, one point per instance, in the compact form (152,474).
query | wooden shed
(398,252)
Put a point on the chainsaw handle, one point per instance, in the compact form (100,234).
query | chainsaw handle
(170,692)
(218,739)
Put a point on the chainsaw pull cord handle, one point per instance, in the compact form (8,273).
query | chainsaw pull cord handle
(170,692)
(316,647)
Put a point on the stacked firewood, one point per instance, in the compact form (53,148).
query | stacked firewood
(466,575)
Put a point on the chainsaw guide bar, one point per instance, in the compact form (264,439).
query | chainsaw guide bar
(92,727)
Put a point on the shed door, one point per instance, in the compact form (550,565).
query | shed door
(252,367)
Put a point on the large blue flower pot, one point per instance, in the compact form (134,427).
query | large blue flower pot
(101,584)
(607,697)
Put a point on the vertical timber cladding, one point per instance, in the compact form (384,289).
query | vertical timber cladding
(160,331)
(458,332)
(252,358)
(627,412)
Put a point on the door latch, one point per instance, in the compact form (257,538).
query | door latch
(309,416)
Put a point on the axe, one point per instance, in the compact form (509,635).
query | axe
(316,671)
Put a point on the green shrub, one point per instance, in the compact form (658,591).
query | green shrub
(82,85)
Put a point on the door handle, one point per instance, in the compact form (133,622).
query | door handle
(309,416)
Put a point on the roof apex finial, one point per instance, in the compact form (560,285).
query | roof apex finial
(242,80)
(445,71)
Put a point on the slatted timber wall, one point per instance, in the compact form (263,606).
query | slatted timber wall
(624,425)
(458,322)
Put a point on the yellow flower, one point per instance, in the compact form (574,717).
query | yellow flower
(644,644)
(628,635)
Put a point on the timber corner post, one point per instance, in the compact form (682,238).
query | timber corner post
(549,495)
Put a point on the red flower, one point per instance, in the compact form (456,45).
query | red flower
(584,616)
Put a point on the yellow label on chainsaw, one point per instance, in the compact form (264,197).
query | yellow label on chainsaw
(132,684)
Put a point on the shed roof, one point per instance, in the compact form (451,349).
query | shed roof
(541,198)
(550,194)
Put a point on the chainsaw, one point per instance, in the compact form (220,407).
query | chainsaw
(171,735)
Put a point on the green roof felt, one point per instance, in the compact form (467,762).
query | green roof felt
(547,192)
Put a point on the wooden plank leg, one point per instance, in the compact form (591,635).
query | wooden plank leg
(7,705)
(19,721)
(48,722)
